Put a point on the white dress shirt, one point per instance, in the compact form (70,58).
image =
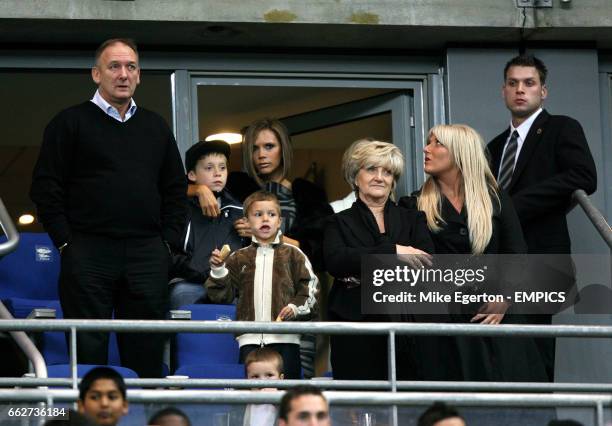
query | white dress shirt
(523,130)
(111,110)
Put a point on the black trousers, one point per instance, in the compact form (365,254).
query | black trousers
(288,351)
(101,277)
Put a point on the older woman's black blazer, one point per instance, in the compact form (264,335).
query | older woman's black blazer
(353,233)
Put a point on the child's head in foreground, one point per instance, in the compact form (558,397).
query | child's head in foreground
(264,363)
(102,396)
(262,211)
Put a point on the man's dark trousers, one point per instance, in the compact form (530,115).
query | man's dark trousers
(98,273)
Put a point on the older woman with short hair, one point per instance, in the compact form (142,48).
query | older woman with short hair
(373,225)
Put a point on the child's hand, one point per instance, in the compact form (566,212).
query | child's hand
(286,314)
(216,259)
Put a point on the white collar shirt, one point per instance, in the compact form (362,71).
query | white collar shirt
(111,110)
(523,131)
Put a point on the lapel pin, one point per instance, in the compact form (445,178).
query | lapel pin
(539,132)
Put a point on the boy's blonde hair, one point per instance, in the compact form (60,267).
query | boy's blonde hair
(264,355)
(260,196)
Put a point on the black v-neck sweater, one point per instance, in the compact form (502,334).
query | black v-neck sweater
(102,176)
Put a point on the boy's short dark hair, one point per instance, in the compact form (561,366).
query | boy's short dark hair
(264,354)
(294,393)
(127,41)
(101,373)
(437,412)
(204,148)
(527,61)
(168,411)
(259,196)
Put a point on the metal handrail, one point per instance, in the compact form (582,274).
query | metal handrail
(374,385)
(334,397)
(8,227)
(390,329)
(415,329)
(23,341)
(594,215)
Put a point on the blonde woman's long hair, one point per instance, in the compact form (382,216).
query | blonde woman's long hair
(478,187)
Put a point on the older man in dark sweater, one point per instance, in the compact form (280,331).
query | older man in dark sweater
(110,191)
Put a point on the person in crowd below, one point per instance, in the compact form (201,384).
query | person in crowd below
(540,160)
(440,414)
(373,225)
(110,191)
(206,163)
(467,214)
(262,364)
(169,416)
(103,396)
(267,158)
(273,280)
(303,405)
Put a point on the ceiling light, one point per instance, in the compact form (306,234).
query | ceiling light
(230,138)
(26,219)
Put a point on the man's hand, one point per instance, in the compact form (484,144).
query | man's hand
(207,200)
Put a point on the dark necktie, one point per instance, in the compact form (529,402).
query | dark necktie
(507,166)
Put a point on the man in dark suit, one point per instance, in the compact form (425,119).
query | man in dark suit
(540,160)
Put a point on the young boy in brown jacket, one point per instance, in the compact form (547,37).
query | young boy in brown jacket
(274,281)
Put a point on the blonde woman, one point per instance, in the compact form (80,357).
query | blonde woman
(468,214)
(374,224)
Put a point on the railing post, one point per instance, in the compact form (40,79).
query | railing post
(391,361)
(392,373)
(599,410)
(73,357)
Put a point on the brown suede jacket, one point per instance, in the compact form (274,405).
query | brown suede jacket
(266,278)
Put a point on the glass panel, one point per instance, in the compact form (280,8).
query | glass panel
(318,154)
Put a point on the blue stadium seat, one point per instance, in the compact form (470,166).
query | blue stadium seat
(212,371)
(53,344)
(63,370)
(211,348)
(32,270)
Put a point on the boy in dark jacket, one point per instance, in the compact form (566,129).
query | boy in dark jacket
(206,163)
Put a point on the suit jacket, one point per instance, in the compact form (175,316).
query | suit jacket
(554,161)
(353,233)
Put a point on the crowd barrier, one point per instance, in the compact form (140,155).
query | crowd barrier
(596,396)
(379,392)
